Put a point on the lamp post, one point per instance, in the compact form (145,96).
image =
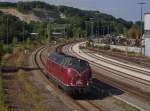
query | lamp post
(141,5)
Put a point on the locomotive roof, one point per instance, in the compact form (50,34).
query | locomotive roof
(68,61)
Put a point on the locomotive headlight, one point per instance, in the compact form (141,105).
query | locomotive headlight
(79,82)
(71,84)
(87,84)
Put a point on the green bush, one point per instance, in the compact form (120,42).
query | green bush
(1,90)
(116,50)
(7,49)
(96,46)
(133,54)
(1,52)
(106,47)
(88,44)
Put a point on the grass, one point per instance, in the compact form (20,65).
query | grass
(116,50)
(2,106)
(26,94)
(28,97)
(1,90)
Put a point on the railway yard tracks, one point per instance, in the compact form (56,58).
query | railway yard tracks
(109,81)
(100,90)
(136,81)
(39,58)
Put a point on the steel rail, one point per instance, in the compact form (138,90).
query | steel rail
(85,108)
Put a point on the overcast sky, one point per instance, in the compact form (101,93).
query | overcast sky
(127,9)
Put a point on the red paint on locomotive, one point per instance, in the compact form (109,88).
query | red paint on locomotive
(68,72)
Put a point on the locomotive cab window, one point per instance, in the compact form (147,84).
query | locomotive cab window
(79,65)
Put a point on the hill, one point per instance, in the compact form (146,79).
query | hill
(44,11)
(24,17)
(79,20)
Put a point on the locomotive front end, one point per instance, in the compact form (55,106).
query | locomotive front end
(79,76)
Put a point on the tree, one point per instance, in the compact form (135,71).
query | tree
(1,53)
(39,27)
(49,31)
(125,32)
(28,41)
(14,41)
(10,27)
(133,33)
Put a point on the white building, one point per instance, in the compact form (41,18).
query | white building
(147,33)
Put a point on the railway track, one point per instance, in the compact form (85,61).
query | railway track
(119,73)
(79,105)
(113,62)
(126,67)
(123,86)
(134,60)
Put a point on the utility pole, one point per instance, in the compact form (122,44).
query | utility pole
(103,29)
(92,26)
(2,40)
(49,30)
(23,33)
(68,31)
(86,28)
(108,32)
(141,5)
(7,32)
(98,29)
(64,30)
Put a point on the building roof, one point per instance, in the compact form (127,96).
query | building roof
(68,61)
(147,13)
(56,33)
(34,33)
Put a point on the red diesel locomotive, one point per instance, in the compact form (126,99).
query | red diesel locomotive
(71,74)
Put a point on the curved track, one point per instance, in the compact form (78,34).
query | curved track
(119,64)
(79,105)
(137,80)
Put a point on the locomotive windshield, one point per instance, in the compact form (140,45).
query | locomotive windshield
(79,65)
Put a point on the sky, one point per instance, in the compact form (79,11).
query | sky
(126,9)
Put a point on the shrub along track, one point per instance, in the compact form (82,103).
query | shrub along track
(83,105)
(11,83)
(111,81)
(9,88)
(18,89)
